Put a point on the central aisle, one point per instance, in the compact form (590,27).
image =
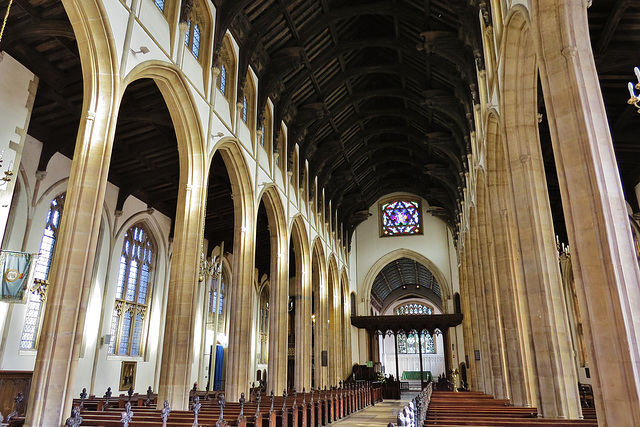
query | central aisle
(380,415)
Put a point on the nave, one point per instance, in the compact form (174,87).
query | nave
(228,194)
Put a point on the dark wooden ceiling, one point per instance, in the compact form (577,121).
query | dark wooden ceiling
(378,95)
(403,274)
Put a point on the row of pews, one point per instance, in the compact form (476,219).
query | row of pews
(314,409)
(451,409)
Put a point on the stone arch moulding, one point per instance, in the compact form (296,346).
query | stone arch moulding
(365,293)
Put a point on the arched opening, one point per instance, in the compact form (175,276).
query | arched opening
(218,232)
(405,287)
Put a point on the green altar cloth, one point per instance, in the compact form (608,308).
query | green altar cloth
(415,375)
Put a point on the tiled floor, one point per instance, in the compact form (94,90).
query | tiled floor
(380,415)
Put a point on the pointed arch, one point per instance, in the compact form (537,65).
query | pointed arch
(367,284)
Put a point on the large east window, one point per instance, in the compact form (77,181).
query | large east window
(35,305)
(408,344)
(400,218)
(133,293)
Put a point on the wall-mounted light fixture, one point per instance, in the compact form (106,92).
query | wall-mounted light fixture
(143,50)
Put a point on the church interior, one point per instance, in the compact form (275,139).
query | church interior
(252,196)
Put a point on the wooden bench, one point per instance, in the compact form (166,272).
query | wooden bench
(449,409)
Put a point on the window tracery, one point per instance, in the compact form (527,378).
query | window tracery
(414,308)
(133,291)
(35,305)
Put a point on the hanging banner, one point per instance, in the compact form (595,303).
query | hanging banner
(18,269)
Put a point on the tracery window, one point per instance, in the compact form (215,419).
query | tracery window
(133,293)
(408,344)
(400,218)
(159,4)
(35,306)
(192,38)
(414,308)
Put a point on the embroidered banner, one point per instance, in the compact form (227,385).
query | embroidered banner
(17,275)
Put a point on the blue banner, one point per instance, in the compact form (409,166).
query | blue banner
(17,275)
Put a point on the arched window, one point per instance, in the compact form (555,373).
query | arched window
(400,218)
(414,308)
(159,4)
(353,304)
(244,109)
(222,85)
(192,37)
(408,344)
(226,78)
(133,293)
(35,306)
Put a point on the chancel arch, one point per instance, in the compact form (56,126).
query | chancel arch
(374,270)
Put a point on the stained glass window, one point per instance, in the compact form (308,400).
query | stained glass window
(262,135)
(244,109)
(353,304)
(195,45)
(132,292)
(414,308)
(187,36)
(160,4)
(408,344)
(223,79)
(400,218)
(35,307)
(192,38)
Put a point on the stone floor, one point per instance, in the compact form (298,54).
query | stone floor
(380,415)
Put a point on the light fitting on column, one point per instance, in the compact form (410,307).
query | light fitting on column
(634,100)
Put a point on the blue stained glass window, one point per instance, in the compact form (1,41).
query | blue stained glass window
(244,109)
(262,135)
(195,46)
(160,4)
(47,246)
(187,36)
(401,217)
(132,289)
(223,79)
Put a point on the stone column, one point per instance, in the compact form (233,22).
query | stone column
(395,342)
(303,330)
(306,324)
(62,331)
(555,377)
(467,330)
(278,325)
(180,322)
(322,330)
(494,316)
(513,308)
(482,329)
(238,374)
(606,272)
